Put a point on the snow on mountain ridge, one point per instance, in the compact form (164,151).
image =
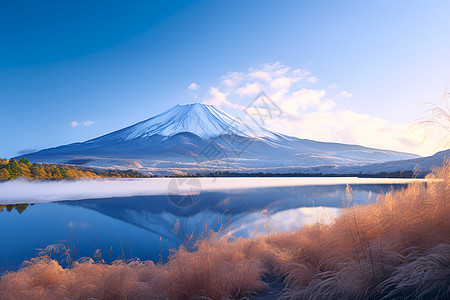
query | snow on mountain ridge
(204,120)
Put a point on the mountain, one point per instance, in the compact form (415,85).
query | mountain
(202,138)
(398,168)
(420,166)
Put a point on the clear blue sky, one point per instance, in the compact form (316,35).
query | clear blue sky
(108,64)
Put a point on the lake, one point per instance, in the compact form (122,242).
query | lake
(145,218)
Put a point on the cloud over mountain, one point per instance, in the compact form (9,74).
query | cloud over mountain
(312,110)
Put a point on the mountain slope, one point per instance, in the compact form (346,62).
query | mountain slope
(201,138)
(421,166)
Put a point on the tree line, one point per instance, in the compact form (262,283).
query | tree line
(12,169)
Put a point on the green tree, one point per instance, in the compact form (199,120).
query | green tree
(55,172)
(25,161)
(64,172)
(13,168)
(35,171)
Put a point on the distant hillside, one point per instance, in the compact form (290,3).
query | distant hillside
(420,166)
(408,168)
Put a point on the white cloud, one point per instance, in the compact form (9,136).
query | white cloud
(260,75)
(332,124)
(283,82)
(344,94)
(302,99)
(333,86)
(313,113)
(88,123)
(193,86)
(228,82)
(249,89)
(216,97)
(327,105)
(313,79)
(232,78)
(85,123)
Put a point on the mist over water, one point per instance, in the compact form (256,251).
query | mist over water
(26,191)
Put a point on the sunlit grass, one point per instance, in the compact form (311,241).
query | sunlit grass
(396,247)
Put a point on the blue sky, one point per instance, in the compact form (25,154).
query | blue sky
(345,71)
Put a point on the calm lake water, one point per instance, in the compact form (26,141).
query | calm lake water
(147,226)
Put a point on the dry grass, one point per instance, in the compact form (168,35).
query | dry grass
(395,248)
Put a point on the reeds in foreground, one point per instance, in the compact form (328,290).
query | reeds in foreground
(397,247)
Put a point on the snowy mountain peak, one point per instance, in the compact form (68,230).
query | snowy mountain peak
(176,139)
(203,120)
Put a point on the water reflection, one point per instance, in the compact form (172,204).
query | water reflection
(238,212)
(20,207)
(148,226)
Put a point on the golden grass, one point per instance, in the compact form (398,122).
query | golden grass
(395,248)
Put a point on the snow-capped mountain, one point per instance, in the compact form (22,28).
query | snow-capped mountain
(202,138)
(205,121)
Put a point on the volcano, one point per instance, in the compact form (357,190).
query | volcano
(201,138)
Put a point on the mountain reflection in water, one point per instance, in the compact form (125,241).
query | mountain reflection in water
(242,213)
(148,226)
